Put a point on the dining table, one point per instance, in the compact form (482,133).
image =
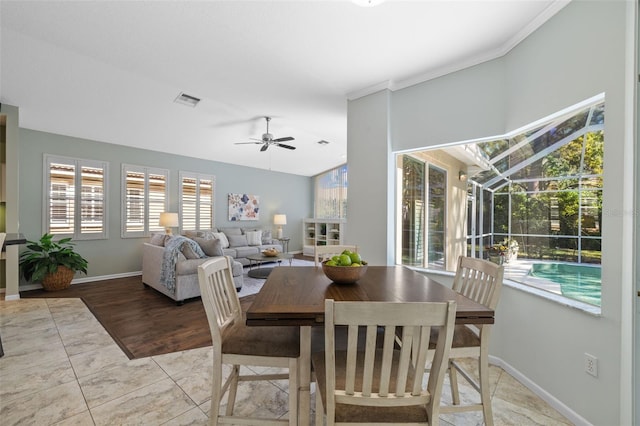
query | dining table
(295,295)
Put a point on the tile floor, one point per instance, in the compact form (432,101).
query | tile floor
(62,368)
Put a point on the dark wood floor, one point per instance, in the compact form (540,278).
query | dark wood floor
(141,320)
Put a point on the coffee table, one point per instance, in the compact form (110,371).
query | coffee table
(259,259)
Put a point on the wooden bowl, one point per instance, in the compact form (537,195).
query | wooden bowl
(344,274)
(270,252)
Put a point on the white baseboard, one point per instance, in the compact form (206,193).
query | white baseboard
(28,287)
(571,415)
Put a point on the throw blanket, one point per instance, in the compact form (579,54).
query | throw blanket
(170,258)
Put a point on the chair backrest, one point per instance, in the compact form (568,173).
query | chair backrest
(325,252)
(219,297)
(384,375)
(479,280)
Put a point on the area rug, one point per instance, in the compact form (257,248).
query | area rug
(144,322)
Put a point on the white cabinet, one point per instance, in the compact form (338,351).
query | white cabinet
(321,232)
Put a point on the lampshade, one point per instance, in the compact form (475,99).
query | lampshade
(168,220)
(280,219)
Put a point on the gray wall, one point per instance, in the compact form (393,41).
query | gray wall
(579,53)
(279,193)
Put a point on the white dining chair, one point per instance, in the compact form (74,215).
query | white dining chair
(322,253)
(481,281)
(236,344)
(378,382)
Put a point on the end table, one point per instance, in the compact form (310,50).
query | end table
(285,244)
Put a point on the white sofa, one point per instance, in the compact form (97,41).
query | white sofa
(186,273)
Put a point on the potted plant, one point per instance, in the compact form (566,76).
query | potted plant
(50,262)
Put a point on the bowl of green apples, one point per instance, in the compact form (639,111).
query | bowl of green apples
(345,268)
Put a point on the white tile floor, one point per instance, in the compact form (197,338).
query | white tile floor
(62,368)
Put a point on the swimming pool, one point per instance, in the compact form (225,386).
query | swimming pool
(579,282)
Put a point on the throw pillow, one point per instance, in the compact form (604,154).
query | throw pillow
(223,239)
(157,239)
(192,234)
(237,240)
(266,236)
(254,238)
(188,252)
(210,247)
(208,234)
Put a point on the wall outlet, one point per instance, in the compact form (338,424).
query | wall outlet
(591,364)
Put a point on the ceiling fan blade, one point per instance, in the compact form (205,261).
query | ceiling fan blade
(245,143)
(281,145)
(286,138)
(264,147)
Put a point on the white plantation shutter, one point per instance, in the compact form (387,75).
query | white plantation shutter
(75,203)
(145,197)
(196,201)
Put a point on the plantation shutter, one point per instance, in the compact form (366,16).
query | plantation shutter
(75,204)
(145,198)
(196,201)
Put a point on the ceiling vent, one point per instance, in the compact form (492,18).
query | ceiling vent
(187,100)
(323,142)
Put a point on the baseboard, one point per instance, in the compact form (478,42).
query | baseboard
(571,415)
(80,281)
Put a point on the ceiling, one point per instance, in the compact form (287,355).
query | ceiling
(110,71)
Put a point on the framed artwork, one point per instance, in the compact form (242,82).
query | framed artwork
(244,207)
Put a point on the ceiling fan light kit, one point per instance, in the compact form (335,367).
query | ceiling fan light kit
(267,140)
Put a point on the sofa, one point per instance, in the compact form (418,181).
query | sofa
(179,280)
(239,242)
(184,273)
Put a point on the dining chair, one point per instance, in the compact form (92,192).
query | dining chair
(237,345)
(322,253)
(379,382)
(481,281)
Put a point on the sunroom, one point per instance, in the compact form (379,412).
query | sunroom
(530,200)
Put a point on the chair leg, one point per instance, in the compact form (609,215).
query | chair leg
(216,388)
(485,391)
(453,381)
(233,390)
(294,387)
(319,408)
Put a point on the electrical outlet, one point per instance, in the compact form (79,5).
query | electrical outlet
(591,364)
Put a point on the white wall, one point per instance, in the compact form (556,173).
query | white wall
(370,209)
(579,53)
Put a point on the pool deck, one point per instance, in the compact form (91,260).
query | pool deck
(518,270)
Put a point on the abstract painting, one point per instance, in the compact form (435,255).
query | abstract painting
(244,207)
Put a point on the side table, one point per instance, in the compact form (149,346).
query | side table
(285,244)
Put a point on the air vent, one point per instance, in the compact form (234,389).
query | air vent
(187,100)
(323,142)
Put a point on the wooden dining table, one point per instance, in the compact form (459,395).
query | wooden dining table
(295,295)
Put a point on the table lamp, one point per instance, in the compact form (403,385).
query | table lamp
(168,220)
(280,219)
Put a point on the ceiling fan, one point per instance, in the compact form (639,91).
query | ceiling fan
(267,139)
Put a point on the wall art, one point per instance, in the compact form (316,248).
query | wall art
(244,207)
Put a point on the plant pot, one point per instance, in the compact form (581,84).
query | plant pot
(58,280)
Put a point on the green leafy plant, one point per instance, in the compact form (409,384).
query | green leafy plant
(43,257)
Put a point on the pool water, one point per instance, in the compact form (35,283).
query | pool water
(579,282)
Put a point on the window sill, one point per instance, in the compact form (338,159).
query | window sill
(557,298)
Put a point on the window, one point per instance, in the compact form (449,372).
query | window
(531,200)
(331,194)
(196,201)
(75,204)
(145,197)
(423,236)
